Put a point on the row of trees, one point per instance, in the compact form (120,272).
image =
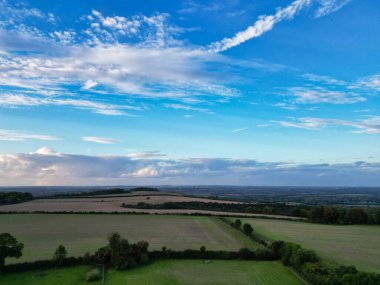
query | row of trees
(262,208)
(316,214)
(339,215)
(118,254)
(310,267)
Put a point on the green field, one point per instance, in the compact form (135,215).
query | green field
(67,276)
(358,245)
(42,233)
(170,272)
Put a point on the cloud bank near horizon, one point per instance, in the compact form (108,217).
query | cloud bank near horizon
(48,167)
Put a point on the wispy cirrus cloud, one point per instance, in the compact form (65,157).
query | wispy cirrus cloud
(47,167)
(370,125)
(239,130)
(371,82)
(266,23)
(187,108)
(21,100)
(329,6)
(145,154)
(100,140)
(317,94)
(13,135)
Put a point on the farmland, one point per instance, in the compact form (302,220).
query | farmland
(42,233)
(171,272)
(112,204)
(358,245)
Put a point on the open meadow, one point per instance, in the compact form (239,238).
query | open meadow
(357,245)
(169,272)
(80,233)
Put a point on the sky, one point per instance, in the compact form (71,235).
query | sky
(159,92)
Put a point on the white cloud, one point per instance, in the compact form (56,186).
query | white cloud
(324,79)
(129,70)
(286,106)
(12,135)
(371,82)
(100,140)
(145,154)
(264,24)
(46,151)
(20,100)
(190,7)
(370,125)
(20,11)
(316,95)
(153,31)
(149,171)
(47,167)
(239,130)
(89,84)
(66,37)
(187,108)
(329,6)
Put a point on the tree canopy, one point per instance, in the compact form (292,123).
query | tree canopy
(9,247)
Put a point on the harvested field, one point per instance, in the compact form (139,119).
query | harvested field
(357,245)
(42,233)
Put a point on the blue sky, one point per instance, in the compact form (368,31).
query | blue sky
(190,92)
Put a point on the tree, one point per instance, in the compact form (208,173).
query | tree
(9,247)
(237,223)
(247,228)
(377,216)
(357,216)
(120,254)
(60,253)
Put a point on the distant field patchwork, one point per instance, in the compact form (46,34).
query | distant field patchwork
(112,204)
(170,272)
(358,245)
(42,233)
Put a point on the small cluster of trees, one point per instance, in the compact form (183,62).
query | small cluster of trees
(7,198)
(247,228)
(120,254)
(310,267)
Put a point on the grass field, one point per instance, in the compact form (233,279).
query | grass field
(67,276)
(358,245)
(171,272)
(42,233)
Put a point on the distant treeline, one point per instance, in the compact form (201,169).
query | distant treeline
(7,198)
(315,214)
(103,192)
(262,208)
